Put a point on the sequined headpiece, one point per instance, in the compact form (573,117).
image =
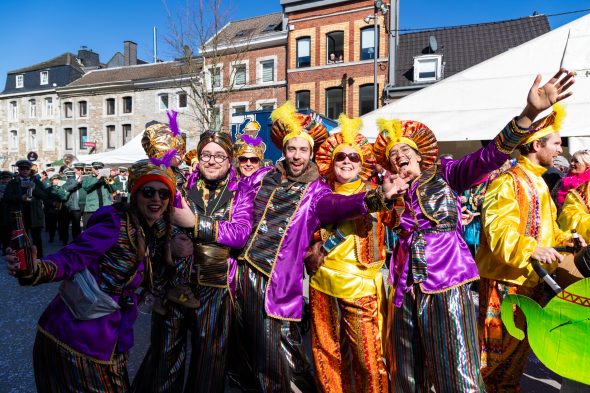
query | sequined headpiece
(249,142)
(162,142)
(547,125)
(223,139)
(413,133)
(144,171)
(349,136)
(288,124)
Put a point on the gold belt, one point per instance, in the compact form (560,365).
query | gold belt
(206,254)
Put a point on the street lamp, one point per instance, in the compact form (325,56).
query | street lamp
(378,7)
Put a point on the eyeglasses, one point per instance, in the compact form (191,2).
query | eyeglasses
(149,192)
(253,160)
(341,156)
(206,157)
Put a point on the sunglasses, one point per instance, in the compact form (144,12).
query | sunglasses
(149,192)
(341,156)
(253,160)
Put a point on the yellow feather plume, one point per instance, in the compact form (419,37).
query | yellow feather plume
(349,128)
(392,127)
(560,113)
(286,115)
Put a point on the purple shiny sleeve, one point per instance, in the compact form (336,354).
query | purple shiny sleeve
(235,232)
(89,246)
(460,174)
(331,208)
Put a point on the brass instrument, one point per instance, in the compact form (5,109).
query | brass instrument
(109,180)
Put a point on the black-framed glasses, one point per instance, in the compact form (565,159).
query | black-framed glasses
(253,160)
(218,158)
(341,156)
(149,192)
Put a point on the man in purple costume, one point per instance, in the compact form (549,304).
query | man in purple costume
(432,323)
(292,202)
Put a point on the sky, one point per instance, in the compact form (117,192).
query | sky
(33,31)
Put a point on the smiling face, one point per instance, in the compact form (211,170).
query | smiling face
(580,162)
(548,149)
(152,208)
(297,153)
(405,161)
(346,171)
(213,170)
(248,163)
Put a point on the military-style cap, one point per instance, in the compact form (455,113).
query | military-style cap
(5,174)
(56,176)
(26,163)
(50,169)
(79,165)
(122,169)
(97,164)
(69,172)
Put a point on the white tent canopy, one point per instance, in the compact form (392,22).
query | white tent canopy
(127,154)
(478,102)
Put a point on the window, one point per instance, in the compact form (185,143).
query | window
(302,99)
(32,140)
(20,81)
(334,102)
(69,138)
(368,43)
(427,68)
(215,77)
(13,141)
(240,74)
(110,137)
(32,108)
(127,105)
(268,71)
(163,101)
(49,138)
(244,33)
(68,110)
(44,77)
(83,137)
(110,102)
(126,128)
(82,108)
(303,52)
(13,110)
(49,107)
(182,100)
(267,106)
(366,99)
(335,45)
(239,109)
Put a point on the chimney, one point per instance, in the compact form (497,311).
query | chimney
(130,53)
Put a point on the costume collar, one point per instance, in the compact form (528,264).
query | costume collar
(524,162)
(348,188)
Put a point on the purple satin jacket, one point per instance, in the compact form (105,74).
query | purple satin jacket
(103,337)
(448,258)
(318,206)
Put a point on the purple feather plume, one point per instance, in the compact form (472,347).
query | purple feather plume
(252,141)
(165,160)
(172,123)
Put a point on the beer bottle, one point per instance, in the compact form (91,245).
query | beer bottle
(21,244)
(576,240)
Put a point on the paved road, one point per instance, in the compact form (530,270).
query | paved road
(23,306)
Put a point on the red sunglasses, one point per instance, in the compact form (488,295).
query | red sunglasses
(341,156)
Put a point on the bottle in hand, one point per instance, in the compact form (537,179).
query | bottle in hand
(576,240)
(21,244)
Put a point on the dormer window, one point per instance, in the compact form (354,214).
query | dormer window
(44,77)
(427,68)
(20,81)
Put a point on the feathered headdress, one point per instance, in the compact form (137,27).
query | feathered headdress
(349,136)
(162,142)
(547,125)
(288,124)
(412,133)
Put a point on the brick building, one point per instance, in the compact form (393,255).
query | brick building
(245,67)
(331,55)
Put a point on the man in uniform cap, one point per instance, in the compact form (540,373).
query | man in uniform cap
(99,193)
(25,193)
(74,206)
(5,177)
(120,183)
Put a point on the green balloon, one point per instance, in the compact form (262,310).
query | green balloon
(559,334)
